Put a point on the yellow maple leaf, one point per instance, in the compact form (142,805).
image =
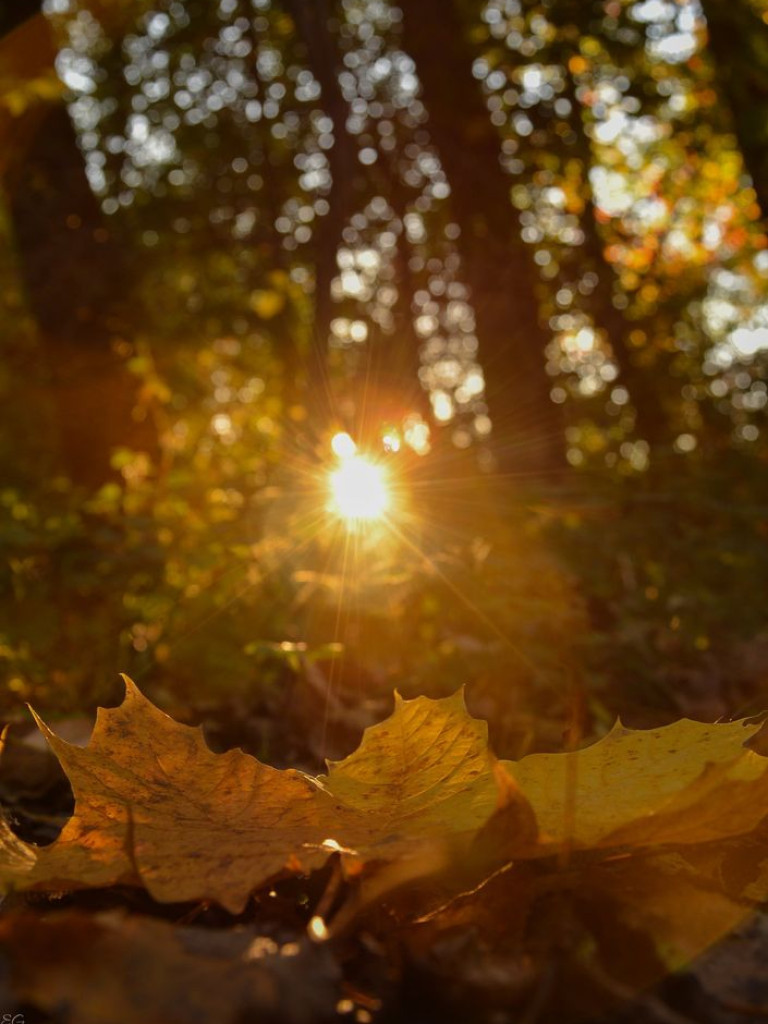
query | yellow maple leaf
(154,805)
(659,832)
(426,772)
(688,782)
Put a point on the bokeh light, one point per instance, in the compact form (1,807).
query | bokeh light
(343,446)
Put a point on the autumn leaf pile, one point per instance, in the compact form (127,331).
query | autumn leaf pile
(650,840)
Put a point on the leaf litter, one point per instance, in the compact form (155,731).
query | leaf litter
(607,866)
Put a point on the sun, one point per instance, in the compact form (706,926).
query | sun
(359,488)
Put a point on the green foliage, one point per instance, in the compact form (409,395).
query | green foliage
(672,565)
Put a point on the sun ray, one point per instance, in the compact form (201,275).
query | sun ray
(477,612)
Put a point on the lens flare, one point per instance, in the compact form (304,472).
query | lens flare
(343,446)
(359,490)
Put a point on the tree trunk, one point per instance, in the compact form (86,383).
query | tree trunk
(312,19)
(527,428)
(641,381)
(76,283)
(738,44)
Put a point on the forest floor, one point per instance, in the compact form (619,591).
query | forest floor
(115,955)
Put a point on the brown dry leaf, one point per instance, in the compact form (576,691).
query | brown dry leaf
(687,782)
(421,796)
(111,969)
(663,895)
(17,857)
(661,839)
(616,925)
(155,806)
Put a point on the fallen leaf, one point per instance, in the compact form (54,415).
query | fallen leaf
(683,783)
(661,895)
(637,816)
(155,806)
(424,773)
(17,857)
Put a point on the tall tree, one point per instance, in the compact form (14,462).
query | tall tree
(639,368)
(733,27)
(77,285)
(499,268)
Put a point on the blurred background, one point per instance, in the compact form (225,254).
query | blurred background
(516,250)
